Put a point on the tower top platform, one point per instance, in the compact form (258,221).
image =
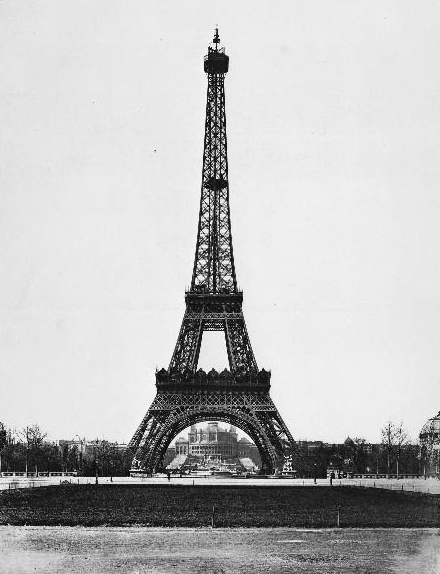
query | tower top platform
(216,61)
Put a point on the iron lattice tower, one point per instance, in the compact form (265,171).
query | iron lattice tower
(239,395)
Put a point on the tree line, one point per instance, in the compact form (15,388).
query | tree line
(396,454)
(28,450)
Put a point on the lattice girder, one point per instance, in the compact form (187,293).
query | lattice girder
(214,269)
(207,312)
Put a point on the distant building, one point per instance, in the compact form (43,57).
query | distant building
(430,447)
(211,441)
(79,444)
(310,445)
(87,446)
(349,443)
(214,444)
(170,455)
(247,449)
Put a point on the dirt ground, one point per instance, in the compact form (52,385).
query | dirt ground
(59,550)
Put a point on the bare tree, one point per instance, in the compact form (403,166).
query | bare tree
(3,438)
(3,435)
(387,433)
(400,440)
(13,450)
(394,438)
(33,438)
(360,455)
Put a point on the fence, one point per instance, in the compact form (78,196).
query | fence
(24,474)
(429,486)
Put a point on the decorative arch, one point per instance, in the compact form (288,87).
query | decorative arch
(173,410)
(153,451)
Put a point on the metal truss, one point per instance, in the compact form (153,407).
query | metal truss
(214,270)
(206,317)
(214,302)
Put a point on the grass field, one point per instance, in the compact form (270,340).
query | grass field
(234,506)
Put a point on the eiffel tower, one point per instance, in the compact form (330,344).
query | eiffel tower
(240,395)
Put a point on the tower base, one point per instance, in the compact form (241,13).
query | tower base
(178,406)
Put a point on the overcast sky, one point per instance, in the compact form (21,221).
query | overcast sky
(333,141)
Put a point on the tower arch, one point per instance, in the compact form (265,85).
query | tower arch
(153,452)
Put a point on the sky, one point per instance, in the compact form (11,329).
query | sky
(333,141)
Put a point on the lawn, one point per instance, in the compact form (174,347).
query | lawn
(234,506)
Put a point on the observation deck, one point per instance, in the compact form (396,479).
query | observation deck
(216,61)
(201,296)
(226,380)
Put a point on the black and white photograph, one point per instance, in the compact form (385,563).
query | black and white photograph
(220,286)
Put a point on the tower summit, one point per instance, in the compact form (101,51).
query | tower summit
(239,395)
(216,61)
